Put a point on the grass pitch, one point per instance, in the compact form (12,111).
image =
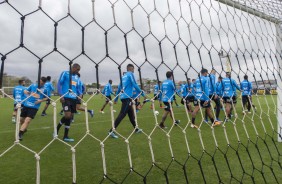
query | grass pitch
(240,153)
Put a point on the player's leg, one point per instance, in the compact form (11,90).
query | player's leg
(208,110)
(131,117)
(195,112)
(160,101)
(206,115)
(46,107)
(108,98)
(167,110)
(218,107)
(249,104)
(228,107)
(66,119)
(29,115)
(14,114)
(69,111)
(126,103)
(190,101)
(233,103)
(155,98)
(244,102)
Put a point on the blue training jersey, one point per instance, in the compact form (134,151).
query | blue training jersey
(246,88)
(212,87)
(81,86)
(190,89)
(63,85)
(136,94)
(18,94)
(168,90)
(156,89)
(229,87)
(202,88)
(128,83)
(35,95)
(107,91)
(218,87)
(184,90)
(49,87)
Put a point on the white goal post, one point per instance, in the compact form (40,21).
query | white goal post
(279,82)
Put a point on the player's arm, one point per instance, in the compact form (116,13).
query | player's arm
(206,89)
(45,94)
(135,85)
(27,90)
(251,88)
(117,92)
(52,87)
(111,91)
(79,88)
(236,85)
(241,86)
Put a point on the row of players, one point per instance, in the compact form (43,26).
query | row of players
(200,92)
(207,89)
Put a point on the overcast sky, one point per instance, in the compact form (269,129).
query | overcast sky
(204,27)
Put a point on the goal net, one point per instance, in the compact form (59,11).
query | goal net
(236,40)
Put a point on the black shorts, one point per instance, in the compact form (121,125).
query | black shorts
(28,112)
(202,103)
(157,96)
(69,105)
(246,99)
(167,106)
(78,101)
(230,100)
(137,103)
(48,101)
(234,98)
(216,100)
(15,107)
(108,98)
(211,97)
(190,98)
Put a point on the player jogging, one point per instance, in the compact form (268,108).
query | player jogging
(229,87)
(19,96)
(32,104)
(69,100)
(246,88)
(107,91)
(50,88)
(168,90)
(127,84)
(202,98)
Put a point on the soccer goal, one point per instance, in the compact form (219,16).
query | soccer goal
(223,119)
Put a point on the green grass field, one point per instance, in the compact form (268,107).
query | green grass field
(257,159)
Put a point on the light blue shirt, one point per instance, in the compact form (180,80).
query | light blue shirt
(49,87)
(35,95)
(168,90)
(63,85)
(202,88)
(246,88)
(107,91)
(128,84)
(18,93)
(229,87)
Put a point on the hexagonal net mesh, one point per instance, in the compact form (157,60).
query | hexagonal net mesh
(224,136)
